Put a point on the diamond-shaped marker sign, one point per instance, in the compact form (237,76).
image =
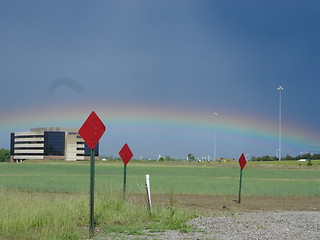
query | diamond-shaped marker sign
(125,154)
(92,130)
(242,161)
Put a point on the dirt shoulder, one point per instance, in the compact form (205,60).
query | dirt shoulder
(210,204)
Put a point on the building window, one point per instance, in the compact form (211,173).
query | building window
(28,148)
(87,150)
(29,136)
(28,142)
(12,144)
(54,143)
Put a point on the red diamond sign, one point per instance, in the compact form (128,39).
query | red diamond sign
(242,161)
(125,154)
(92,130)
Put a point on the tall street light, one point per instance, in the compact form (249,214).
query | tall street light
(280,88)
(215,138)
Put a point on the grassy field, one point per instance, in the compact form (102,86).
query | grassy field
(50,200)
(35,215)
(178,178)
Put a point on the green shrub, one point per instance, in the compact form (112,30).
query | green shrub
(4,155)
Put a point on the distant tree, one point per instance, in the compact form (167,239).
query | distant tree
(316,156)
(168,158)
(266,158)
(263,158)
(307,156)
(4,155)
(190,157)
(288,157)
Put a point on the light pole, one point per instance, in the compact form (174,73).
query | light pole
(280,88)
(215,138)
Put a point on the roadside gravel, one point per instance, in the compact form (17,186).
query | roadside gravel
(248,226)
(262,225)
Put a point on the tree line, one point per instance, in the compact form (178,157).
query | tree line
(307,156)
(5,157)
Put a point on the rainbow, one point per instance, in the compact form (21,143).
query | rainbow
(147,120)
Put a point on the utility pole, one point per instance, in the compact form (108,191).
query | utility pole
(215,138)
(280,88)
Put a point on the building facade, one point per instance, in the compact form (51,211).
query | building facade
(50,143)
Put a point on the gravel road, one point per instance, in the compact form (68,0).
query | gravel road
(286,225)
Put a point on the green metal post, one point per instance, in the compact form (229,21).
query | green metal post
(239,200)
(124,180)
(92,226)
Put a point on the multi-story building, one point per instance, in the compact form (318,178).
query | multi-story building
(61,143)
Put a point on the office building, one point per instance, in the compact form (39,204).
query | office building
(50,143)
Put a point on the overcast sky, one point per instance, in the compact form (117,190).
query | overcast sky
(160,58)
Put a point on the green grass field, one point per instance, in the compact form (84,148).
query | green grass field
(50,200)
(176,178)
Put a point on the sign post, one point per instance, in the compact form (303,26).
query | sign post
(92,174)
(124,180)
(91,131)
(126,155)
(242,162)
(148,193)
